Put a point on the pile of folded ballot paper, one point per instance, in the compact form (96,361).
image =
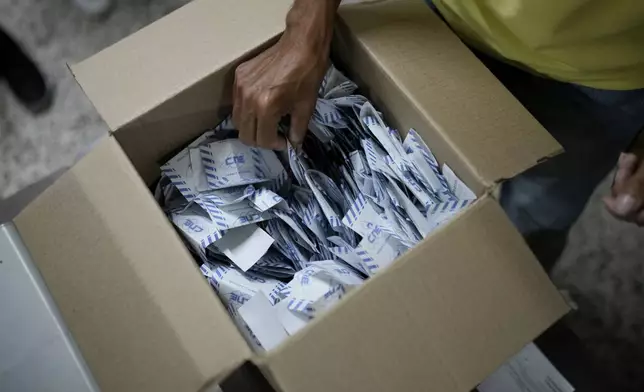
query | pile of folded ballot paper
(282,236)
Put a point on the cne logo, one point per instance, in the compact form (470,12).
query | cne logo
(235,160)
(373,236)
(192,226)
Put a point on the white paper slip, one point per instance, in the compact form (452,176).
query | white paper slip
(262,318)
(279,183)
(178,171)
(226,125)
(160,190)
(319,286)
(322,132)
(355,101)
(423,195)
(327,114)
(414,214)
(338,272)
(359,163)
(401,228)
(230,162)
(245,245)
(292,322)
(287,243)
(458,187)
(233,215)
(198,228)
(293,223)
(196,171)
(297,167)
(313,218)
(379,250)
(442,212)
(227,196)
(349,256)
(349,180)
(376,158)
(425,164)
(335,84)
(264,199)
(527,371)
(202,138)
(322,187)
(388,138)
(362,217)
(235,287)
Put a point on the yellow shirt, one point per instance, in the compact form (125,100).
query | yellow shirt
(596,43)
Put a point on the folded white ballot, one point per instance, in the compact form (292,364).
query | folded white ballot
(199,228)
(314,290)
(244,245)
(235,287)
(230,162)
(236,290)
(259,315)
(323,218)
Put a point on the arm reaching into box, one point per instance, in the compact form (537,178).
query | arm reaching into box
(285,78)
(627,199)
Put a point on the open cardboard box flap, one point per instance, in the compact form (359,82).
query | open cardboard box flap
(129,291)
(140,72)
(443,317)
(144,318)
(131,82)
(443,80)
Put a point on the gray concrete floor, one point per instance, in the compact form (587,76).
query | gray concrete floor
(601,266)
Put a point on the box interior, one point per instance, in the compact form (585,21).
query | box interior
(155,136)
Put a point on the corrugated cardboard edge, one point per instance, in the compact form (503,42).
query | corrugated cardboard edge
(451,313)
(174,53)
(122,278)
(458,95)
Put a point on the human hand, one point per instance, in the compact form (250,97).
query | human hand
(284,79)
(627,199)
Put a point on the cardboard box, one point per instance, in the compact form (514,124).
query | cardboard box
(444,316)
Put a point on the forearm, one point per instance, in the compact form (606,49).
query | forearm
(309,24)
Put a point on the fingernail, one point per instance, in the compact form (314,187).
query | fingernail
(622,156)
(625,204)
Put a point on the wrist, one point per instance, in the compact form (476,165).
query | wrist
(309,25)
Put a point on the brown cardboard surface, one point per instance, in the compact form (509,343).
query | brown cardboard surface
(448,313)
(154,64)
(131,295)
(444,81)
(385,93)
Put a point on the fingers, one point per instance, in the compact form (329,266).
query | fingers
(267,123)
(243,112)
(625,207)
(256,114)
(626,166)
(300,123)
(627,200)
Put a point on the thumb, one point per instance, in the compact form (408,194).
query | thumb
(626,167)
(630,199)
(300,123)
(623,206)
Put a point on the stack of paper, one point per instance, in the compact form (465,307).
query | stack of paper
(354,199)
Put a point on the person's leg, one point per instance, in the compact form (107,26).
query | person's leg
(22,75)
(545,201)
